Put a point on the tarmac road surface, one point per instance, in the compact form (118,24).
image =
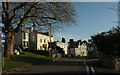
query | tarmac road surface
(67,66)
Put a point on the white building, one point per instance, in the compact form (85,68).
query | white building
(64,46)
(82,49)
(22,38)
(30,39)
(40,40)
(78,49)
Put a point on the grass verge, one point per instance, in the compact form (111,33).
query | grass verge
(25,59)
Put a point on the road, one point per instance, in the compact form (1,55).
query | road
(68,66)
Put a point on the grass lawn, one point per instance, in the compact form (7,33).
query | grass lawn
(24,60)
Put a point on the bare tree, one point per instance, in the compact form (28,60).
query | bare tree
(37,14)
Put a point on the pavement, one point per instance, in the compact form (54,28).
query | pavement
(69,66)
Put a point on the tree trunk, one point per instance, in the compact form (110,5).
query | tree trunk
(9,42)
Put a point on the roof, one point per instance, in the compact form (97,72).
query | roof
(74,44)
(61,42)
(25,29)
(44,33)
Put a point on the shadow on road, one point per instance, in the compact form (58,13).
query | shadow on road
(64,63)
(96,64)
(61,73)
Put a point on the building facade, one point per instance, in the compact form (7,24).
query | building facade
(39,41)
(64,46)
(30,39)
(74,52)
(83,49)
(22,39)
(77,48)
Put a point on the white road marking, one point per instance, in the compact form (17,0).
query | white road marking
(76,63)
(84,62)
(93,71)
(87,69)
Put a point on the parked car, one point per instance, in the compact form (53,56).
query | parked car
(69,55)
(16,52)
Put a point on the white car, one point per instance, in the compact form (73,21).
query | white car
(69,55)
(16,52)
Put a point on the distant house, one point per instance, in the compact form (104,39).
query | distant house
(63,45)
(77,48)
(39,40)
(83,49)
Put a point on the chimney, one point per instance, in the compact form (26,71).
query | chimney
(48,33)
(31,29)
(63,40)
(71,40)
(79,40)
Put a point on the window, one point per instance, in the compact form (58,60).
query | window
(63,46)
(26,35)
(40,47)
(82,53)
(27,43)
(40,40)
(44,41)
(23,35)
(60,46)
(24,43)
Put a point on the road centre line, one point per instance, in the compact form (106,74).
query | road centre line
(87,69)
(76,63)
(84,62)
(93,71)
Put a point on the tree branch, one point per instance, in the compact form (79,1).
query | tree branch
(38,23)
(53,18)
(20,6)
(22,20)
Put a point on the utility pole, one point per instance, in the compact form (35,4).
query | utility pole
(50,34)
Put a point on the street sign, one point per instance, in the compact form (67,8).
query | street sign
(3,35)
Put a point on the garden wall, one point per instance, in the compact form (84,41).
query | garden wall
(109,61)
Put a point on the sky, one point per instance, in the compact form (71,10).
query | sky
(91,18)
